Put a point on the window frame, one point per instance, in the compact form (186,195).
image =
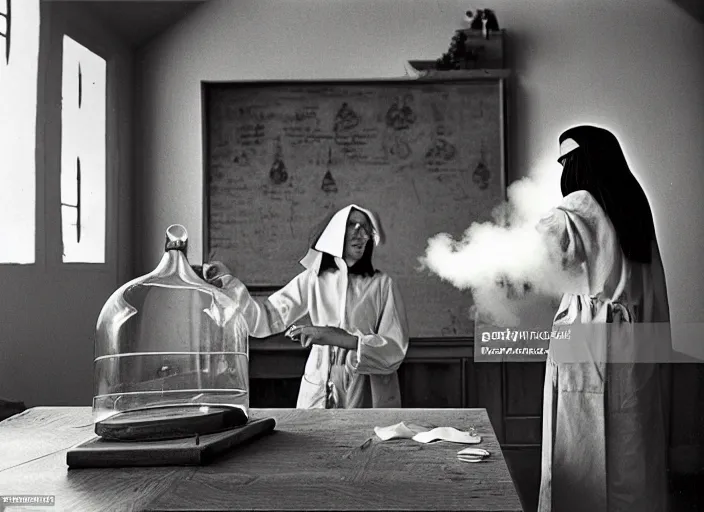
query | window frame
(59,24)
(82,184)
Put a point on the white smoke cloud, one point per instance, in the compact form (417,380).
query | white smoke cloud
(505,263)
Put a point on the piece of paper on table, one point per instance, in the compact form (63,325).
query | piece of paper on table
(424,434)
(399,431)
(447,434)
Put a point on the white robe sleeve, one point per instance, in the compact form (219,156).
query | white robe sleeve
(564,242)
(581,244)
(384,351)
(584,251)
(277,312)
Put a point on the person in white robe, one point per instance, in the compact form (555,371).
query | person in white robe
(359,331)
(605,423)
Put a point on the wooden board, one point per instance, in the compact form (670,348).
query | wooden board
(97,453)
(428,156)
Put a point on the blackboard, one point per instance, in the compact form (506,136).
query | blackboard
(427,155)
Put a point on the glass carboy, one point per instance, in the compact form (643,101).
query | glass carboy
(169,345)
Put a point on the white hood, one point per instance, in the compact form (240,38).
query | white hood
(332,239)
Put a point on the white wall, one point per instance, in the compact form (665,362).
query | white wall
(634,66)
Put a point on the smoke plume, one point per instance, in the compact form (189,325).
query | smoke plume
(505,263)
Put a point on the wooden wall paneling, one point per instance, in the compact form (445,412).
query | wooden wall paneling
(524,465)
(523,402)
(275,370)
(277,365)
(432,383)
(484,384)
(524,384)
(273,393)
(443,348)
(687,419)
(523,430)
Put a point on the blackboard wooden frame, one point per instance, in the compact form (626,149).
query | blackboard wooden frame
(500,77)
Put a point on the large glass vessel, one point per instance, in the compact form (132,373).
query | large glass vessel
(169,345)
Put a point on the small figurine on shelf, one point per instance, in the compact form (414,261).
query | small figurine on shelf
(474,19)
(489,21)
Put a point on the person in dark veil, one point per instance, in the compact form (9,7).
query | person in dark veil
(605,421)
(592,160)
(359,331)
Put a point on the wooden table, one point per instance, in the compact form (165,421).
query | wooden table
(314,461)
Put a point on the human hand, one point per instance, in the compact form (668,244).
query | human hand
(308,335)
(216,273)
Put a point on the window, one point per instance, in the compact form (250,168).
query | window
(6,27)
(19,54)
(83,154)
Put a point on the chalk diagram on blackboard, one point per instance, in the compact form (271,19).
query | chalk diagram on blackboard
(440,152)
(481,175)
(346,119)
(278,173)
(329,186)
(349,134)
(400,118)
(243,157)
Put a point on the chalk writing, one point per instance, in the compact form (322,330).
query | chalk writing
(445,170)
(481,176)
(251,134)
(353,144)
(307,113)
(304,127)
(311,139)
(354,139)
(374,160)
(257,113)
